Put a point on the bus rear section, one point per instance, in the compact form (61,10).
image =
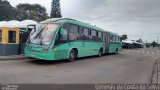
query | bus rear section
(115,44)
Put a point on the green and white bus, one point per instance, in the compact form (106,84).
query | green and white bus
(58,39)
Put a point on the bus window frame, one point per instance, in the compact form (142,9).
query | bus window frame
(58,37)
(104,37)
(84,36)
(101,36)
(111,38)
(94,35)
(78,32)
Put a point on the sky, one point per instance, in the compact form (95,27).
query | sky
(136,18)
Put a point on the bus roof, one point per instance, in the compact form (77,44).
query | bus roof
(112,33)
(69,20)
(65,20)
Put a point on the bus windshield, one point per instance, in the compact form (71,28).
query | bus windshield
(43,34)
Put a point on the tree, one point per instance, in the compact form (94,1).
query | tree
(35,12)
(140,41)
(7,12)
(22,11)
(55,9)
(153,44)
(124,37)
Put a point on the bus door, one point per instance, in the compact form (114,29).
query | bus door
(75,41)
(107,41)
(61,42)
(85,42)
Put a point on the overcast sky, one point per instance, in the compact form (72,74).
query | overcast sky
(136,18)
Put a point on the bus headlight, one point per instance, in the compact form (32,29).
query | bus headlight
(46,49)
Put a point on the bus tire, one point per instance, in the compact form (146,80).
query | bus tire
(100,52)
(72,56)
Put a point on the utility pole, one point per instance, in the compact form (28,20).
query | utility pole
(158,39)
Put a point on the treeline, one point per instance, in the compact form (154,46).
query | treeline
(22,12)
(153,44)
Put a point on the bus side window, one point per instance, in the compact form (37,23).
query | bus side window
(85,34)
(114,38)
(94,35)
(100,35)
(104,36)
(111,38)
(73,33)
(80,33)
(89,35)
(62,36)
(117,39)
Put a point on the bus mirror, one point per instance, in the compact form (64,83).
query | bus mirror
(31,29)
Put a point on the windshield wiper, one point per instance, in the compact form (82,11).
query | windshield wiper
(37,35)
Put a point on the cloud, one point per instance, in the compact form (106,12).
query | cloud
(136,18)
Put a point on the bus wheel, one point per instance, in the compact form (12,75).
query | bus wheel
(100,53)
(72,56)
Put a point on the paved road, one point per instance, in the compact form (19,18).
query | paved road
(130,66)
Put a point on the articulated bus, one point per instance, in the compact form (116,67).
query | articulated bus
(59,39)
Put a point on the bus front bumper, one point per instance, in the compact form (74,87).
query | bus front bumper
(40,55)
